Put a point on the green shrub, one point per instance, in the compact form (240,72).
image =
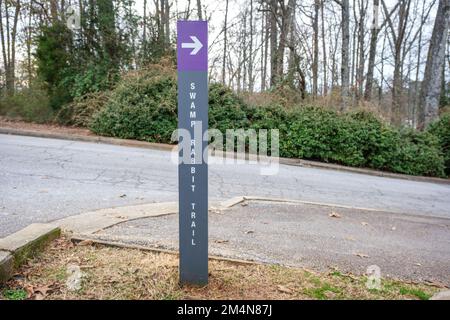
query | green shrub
(96,77)
(143,106)
(29,104)
(320,134)
(441,129)
(410,152)
(226,110)
(80,112)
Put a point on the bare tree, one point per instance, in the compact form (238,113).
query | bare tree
(315,64)
(373,47)
(265,31)
(345,49)
(225,31)
(8,36)
(361,48)
(199,10)
(273,9)
(397,40)
(431,86)
(250,56)
(324,49)
(54,10)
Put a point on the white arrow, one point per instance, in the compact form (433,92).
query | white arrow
(196,45)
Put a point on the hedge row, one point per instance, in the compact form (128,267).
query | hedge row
(144,107)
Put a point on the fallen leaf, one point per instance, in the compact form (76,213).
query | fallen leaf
(86,242)
(334,215)
(249,232)
(39,292)
(435,283)
(361,255)
(221,241)
(30,290)
(284,289)
(44,290)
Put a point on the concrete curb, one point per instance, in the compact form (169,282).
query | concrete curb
(280,200)
(168,147)
(93,138)
(18,247)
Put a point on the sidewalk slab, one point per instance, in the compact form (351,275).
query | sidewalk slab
(313,236)
(91,222)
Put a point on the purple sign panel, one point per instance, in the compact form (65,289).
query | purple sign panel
(192,45)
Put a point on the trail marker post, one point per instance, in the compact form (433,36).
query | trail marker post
(192,56)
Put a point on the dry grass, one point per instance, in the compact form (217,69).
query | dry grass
(113,273)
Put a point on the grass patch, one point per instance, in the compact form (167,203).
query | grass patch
(324,292)
(414,292)
(117,273)
(14,294)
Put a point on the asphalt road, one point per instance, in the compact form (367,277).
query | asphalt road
(42,180)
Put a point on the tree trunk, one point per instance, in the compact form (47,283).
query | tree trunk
(167,23)
(397,87)
(286,17)
(54,10)
(265,41)
(250,56)
(324,48)
(8,41)
(29,42)
(372,53)
(416,84)
(345,69)
(431,86)
(144,34)
(273,42)
(361,62)
(315,64)
(12,64)
(3,41)
(199,10)
(225,27)
(292,54)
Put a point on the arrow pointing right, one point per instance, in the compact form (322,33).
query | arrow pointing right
(196,45)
